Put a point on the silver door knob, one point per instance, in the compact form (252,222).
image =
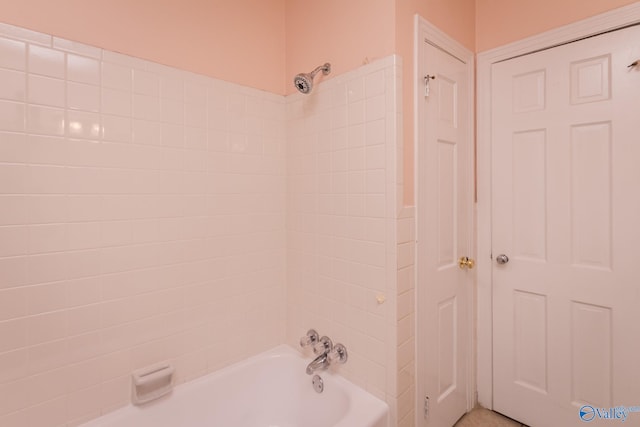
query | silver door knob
(502,259)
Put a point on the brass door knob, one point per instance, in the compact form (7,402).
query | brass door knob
(466,262)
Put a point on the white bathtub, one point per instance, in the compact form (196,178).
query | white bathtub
(268,390)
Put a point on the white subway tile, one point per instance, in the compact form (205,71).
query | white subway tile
(13,149)
(46,62)
(17,419)
(84,347)
(84,374)
(117,128)
(13,271)
(115,393)
(83,264)
(81,152)
(46,327)
(196,115)
(356,113)
(376,158)
(146,107)
(196,94)
(172,111)
(339,139)
(82,235)
(15,32)
(47,238)
(14,396)
(46,91)
(172,135)
(14,334)
(376,181)
(375,83)
(45,120)
(47,297)
(146,83)
(13,365)
(42,209)
(47,150)
(375,108)
(12,116)
(84,125)
(13,240)
(196,138)
(116,102)
(46,179)
(50,413)
(47,356)
(82,292)
(339,117)
(375,132)
(117,77)
(83,70)
(14,178)
(13,54)
(12,85)
(339,161)
(355,90)
(172,87)
(76,47)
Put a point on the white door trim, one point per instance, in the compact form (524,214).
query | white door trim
(424,31)
(608,21)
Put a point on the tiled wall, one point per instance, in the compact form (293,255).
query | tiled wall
(142,218)
(343,177)
(405,391)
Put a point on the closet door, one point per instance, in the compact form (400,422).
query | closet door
(565,231)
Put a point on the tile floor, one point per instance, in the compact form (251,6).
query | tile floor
(481,417)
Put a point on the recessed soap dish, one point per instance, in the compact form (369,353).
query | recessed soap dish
(151,382)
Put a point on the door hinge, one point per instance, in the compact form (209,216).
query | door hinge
(426,407)
(427,88)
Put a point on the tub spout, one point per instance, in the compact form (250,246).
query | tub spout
(320,362)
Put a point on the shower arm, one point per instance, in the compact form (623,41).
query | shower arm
(326,69)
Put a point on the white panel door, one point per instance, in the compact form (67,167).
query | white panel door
(445,170)
(566,213)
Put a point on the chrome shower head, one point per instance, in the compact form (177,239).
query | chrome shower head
(304,81)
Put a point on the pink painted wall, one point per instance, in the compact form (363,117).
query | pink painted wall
(344,33)
(240,41)
(500,22)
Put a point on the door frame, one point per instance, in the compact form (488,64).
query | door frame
(608,21)
(424,31)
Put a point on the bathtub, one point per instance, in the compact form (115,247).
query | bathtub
(267,390)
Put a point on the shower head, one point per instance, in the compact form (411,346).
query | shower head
(304,81)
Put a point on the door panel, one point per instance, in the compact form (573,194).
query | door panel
(565,125)
(443,228)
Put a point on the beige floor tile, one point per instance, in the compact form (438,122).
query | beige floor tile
(481,417)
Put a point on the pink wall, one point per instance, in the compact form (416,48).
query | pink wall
(345,33)
(500,22)
(240,41)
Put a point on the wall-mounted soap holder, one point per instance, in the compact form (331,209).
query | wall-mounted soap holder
(151,382)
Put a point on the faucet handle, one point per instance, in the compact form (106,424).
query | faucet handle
(323,346)
(338,354)
(310,339)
